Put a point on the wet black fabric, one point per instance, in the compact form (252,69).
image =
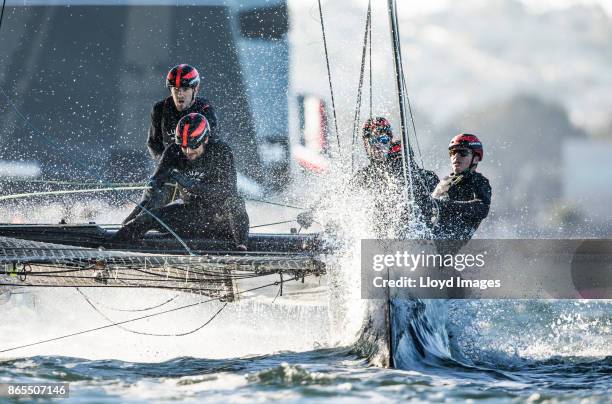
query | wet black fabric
(211,206)
(229,222)
(461,202)
(165,117)
(386,184)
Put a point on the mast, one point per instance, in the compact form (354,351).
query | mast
(399,79)
(397,64)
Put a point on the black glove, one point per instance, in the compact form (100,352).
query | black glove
(152,197)
(305,219)
(182,179)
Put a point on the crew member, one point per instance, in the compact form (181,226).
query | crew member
(383,178)
(461,200)
(183,81)
(204,170)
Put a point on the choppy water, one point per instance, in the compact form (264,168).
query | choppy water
(497,350)
(315,375)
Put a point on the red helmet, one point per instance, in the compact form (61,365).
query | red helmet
(183,76)
(469,141)
(192,130)
(380,125)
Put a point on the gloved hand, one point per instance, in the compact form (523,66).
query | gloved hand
(152,197)
(305,219)
(182,179)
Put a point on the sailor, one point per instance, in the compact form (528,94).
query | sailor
(183,81)
(383,178)
(204,170)
(461,200)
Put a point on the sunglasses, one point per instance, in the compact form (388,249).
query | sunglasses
(460,152)
(383,139)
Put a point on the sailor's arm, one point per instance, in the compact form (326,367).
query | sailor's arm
(222,179)
(155,140)
(477,208)
(154,195)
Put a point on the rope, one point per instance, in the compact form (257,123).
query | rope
(271,224)
(360,86)
(74,183)
(411,114)
(331,88)
(70,191)
(370,46)
(182,334)
(405,141)
(111,186)
(90,330)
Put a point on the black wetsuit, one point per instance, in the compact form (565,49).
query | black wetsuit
(452,208)
(210,206)
(164,118)
(462,201)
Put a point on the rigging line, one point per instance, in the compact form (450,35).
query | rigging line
(139,318)
(370,46)
(407,153)
(182,334)
(2,12)
(331,88)
(411,114)
(127,286)
(419,175)
(70,191)
(86,169)
(272,224)
(412,120)
(75,183)
(135,310)
(275,203)
(360,88)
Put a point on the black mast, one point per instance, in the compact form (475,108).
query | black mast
(401,96)
(397,64)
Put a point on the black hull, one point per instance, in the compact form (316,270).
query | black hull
(96,236)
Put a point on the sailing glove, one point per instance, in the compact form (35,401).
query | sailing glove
(182,179)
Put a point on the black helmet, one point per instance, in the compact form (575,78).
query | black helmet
(192,130)
(183,76)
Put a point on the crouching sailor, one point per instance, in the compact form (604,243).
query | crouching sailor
(204,171)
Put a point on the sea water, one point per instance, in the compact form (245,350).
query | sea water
(490,350)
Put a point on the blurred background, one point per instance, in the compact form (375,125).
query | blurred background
(530,77)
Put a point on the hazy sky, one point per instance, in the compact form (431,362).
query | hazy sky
(535,5)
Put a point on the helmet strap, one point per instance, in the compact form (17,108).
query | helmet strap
(472,164)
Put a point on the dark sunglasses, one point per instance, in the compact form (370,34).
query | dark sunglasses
(460,152)
(383,139)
